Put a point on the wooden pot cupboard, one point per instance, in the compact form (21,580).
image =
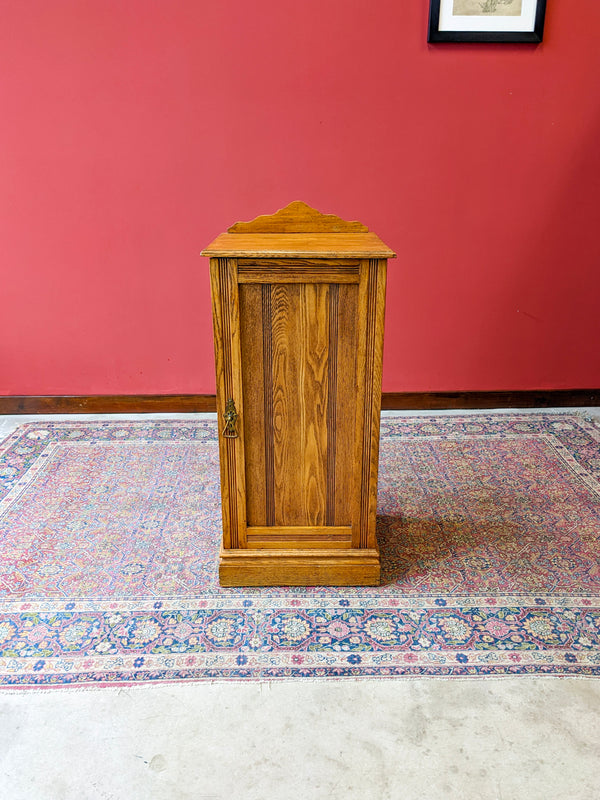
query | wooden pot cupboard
(298,306)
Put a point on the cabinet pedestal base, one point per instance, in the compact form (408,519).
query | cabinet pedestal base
(299,567)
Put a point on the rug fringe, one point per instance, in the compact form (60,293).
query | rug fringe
(268,684)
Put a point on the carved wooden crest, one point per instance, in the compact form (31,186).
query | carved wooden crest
(298,217)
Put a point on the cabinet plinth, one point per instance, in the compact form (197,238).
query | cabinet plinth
(298,308)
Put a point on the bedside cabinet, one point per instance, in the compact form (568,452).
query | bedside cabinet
(298,309)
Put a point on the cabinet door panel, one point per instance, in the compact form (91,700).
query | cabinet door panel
(298,354)
(290,406)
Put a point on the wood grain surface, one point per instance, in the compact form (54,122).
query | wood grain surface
(287,567)
(226,324)
(298,217)
(299,384)
(371,307)
(291,245)
(298,270)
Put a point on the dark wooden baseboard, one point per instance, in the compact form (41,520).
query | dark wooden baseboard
(108,404)
(543,398)
(196,403)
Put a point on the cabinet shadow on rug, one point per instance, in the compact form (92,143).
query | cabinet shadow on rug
(452,555)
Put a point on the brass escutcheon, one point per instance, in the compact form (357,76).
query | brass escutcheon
(230,416)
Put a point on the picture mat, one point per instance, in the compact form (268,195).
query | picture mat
(483,22)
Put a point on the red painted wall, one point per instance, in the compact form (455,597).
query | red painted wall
(134,131)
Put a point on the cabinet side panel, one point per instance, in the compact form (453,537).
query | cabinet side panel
(371,309)
(342,435)
(253,383)
(228,378)
(377,267)
(217,289)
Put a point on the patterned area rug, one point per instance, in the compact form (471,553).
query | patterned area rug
(489,528)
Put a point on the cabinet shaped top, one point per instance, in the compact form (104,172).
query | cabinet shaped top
(298,231)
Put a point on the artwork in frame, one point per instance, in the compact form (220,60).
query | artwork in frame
(486,20)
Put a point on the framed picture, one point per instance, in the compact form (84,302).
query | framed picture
(486,20)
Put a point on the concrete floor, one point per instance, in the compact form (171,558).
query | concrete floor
(504,739)
(406,739)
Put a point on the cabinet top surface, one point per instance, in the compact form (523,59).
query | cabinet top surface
(298,245)
(298,231)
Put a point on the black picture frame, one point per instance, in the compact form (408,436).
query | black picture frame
(434,34)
